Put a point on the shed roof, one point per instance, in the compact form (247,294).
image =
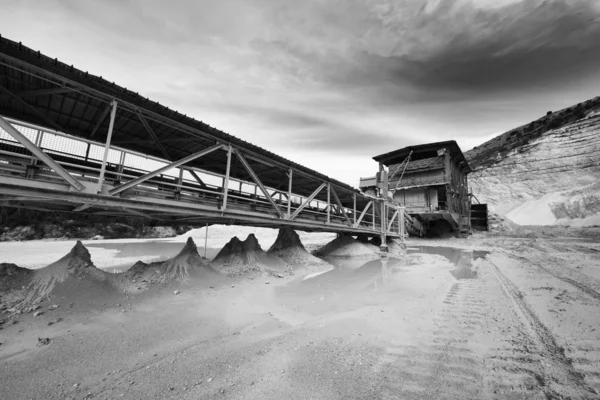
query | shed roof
(397,156)
(42,90)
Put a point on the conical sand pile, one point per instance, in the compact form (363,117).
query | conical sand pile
(13,283)
(289,248)
(238,258)
(185,264)
(346,246)
(72,276)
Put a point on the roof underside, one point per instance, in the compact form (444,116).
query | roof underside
(397,156)
(40,90)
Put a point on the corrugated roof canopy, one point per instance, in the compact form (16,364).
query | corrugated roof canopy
(38,89)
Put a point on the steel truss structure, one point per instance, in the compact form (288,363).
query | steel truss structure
(74,142)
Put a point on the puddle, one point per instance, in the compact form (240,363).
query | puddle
(461,258)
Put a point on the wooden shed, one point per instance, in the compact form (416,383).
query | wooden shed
(430,180)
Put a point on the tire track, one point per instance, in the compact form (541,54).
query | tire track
(559,376)
(584,288)
(447,367)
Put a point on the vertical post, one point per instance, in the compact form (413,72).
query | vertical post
(30,171)
(240,186)
(384,210)
(38,142)
(226,179)
(373,213)
(107,146)
(354,208)
(205,239)
(401,222)
(289,210)
(121,165)
(87,151)
(328,203)
(179,183)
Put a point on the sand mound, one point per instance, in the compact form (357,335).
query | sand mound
(289,248)
(185,264)
(346,246)
(73,276)
(239,258)
(13,283)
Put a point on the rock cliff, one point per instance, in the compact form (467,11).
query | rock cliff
(546,172)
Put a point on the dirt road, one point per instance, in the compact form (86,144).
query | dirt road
(506,319)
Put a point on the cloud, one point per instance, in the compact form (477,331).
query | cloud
(456,45)
(343,78)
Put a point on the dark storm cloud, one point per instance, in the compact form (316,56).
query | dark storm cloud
(455,45)
(522,45)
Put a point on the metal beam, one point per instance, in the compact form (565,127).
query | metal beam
(289,195)
(159,171)
(32,109)
(392,220)
(226,178)
(308,200)
(60,192)
(259,183)
(111,125)
(339,203)
(151,132)
(39,153)
(101,119)
(196,177)
(40,92)
(354,209)
(363,213)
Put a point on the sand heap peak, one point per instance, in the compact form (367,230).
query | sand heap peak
(289,248)
(238,257)
(287,238)
(187,262)
(251,243)
(69,274)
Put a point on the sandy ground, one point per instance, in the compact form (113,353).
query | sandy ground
(480,318)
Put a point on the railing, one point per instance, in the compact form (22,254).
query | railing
(83,159)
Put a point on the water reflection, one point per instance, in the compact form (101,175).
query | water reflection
(461,258)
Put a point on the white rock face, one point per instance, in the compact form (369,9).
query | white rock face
(554,179)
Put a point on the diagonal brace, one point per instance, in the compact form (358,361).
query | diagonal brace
(154,137)
(363,213)
(159,171)
(101,119)
(307,201)
(39,153)
(339,203)
(258,182)
(392,221)
(197,178)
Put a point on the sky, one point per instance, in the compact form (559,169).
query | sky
(331,83)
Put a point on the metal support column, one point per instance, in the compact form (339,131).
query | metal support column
(226,178)
(289,205)
(354,209)
(328,203)
(384,210)
(111,125)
